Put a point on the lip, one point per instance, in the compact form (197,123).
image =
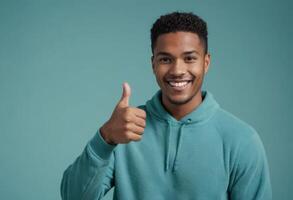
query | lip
(178,88)
(179,80)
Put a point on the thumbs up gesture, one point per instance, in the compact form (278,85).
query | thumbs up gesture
(126,123)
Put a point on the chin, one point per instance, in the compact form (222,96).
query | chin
(179,101)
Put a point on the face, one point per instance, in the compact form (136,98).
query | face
(179,64)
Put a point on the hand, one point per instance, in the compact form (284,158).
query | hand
(126,123)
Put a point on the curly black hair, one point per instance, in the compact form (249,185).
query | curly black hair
(180,21)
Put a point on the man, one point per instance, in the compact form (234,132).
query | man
(181,144)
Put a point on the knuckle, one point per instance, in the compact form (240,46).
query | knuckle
(143,123)
(127,118)
(144,114)
(126,127)
(140,130)
(139,138)
(127,136)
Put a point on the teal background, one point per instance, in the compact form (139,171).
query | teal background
(62,64)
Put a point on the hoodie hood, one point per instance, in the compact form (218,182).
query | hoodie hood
(201,113)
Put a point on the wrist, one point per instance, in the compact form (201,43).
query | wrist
(105,134)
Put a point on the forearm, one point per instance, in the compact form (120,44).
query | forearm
(91,174)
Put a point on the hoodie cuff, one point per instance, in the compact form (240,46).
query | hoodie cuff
(100,147)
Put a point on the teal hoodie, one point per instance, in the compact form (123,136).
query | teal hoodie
(207,155)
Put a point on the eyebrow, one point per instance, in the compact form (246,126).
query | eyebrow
(162,53)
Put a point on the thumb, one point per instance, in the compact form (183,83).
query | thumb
(124,101)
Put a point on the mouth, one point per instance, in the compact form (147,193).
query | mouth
(179,85)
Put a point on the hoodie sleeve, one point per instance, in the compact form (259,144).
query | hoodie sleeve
(250,179)
(91,175)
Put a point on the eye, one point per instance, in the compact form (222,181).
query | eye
(190,58)
(164,60)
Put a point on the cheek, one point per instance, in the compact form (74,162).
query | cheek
(159,77)
(159,73)
(198,70)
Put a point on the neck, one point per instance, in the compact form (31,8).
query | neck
(181,110)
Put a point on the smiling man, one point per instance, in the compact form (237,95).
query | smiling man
(179,62)
(181,144)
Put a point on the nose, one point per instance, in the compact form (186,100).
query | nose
(178,68)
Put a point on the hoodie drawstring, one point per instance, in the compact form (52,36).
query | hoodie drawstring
(178,146)
(168,146)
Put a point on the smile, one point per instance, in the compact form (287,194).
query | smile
(179,85)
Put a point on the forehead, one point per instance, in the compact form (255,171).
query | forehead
(178,42)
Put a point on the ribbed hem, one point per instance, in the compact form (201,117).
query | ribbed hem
(100,147)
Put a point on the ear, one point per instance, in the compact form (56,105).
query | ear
(207,61)
(153,65)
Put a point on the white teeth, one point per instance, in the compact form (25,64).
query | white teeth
(178,84)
